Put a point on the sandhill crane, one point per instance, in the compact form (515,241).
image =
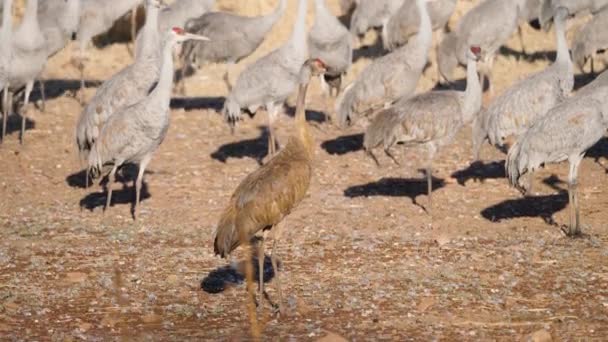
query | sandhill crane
(127,87)
(521,104)
(232,37)
(548,7)
(255,88)
(565,133)
(331,42)
(134,133)
(404,23)
(590,39)
(430,119)
(270,193)
(488,25)
(6,51)
(177,14)
(28,59)
(96,17)
(372,14)
(59,22)
(389,77)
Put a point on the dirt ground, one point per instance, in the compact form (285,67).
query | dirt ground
(361,258)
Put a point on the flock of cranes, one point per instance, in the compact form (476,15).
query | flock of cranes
(128,118)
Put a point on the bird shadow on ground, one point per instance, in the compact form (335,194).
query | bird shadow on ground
(125,174)
(528,57)
(256,148)
(311,115)
(543,206)
(395,187)
(599,150)
(369,51)
(55,88)
(344,144)
(458,85)
(227,276)
(13,124)
(202,103)
(480,171)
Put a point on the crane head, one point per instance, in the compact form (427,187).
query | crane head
(317,66)
(180,35)
(475,52)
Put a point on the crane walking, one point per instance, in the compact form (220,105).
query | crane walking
(134,133)
(270,193)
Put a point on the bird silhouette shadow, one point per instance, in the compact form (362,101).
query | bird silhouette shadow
(528,57)
(311,115)
(344,144)
(13,124)
(227,276)
(126,195)
(201,103)
(599,150)
(395,187)
(480,171)
(256,148)
(55,88)
(543,206)
(370,51)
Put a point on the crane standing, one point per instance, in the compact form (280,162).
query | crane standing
(430,119)
(254,88)
(134,133)
(565,133)
(263,199)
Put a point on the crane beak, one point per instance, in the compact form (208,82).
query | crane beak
(192,36)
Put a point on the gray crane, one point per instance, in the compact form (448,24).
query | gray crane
(431,119)
(330,42)
(255,88)
(488,25)
(547,9)
(370,14)
(404,23)
(389,77)
(127,87)
(590,39)
(6,51)
(525,101)
(565,133)
(232,37)
(133,133)
(178,13)
(27,60)
(96,17)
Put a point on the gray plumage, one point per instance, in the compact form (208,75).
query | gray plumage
(431,119)
(521,104)
(389,77)
(6,54)
(565,133)
(177,14)
(530,10)
(488,25)
(330,42)
(127,87)
(404,23)
(370,14)
(134,133)
(28,57)
(548,7)
(592,37)
(232,37)
(270,80)
(59,22)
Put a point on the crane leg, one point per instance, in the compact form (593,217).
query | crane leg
(111,178)
(28,90)
(86,178)
(520,33)
(42,95)
(261,257)
(272,110)
(251,302)
(574,228)
(81,69)
(6,112)
(138,183)
(429,186)
(275,268)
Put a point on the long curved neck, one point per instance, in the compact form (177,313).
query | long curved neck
(302,129)
(472,94)
(298,37)
(30,17)
(270,19)
(161,95)
(150,35)
(7,21)
(425,29)
(563,55)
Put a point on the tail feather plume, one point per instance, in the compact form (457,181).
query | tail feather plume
(226,238)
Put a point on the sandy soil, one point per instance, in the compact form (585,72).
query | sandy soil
(361,258)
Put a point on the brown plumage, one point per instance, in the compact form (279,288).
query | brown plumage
(271,192)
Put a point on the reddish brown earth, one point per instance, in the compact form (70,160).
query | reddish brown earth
(361,258)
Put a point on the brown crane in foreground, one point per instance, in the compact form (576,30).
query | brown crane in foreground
(271,192)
